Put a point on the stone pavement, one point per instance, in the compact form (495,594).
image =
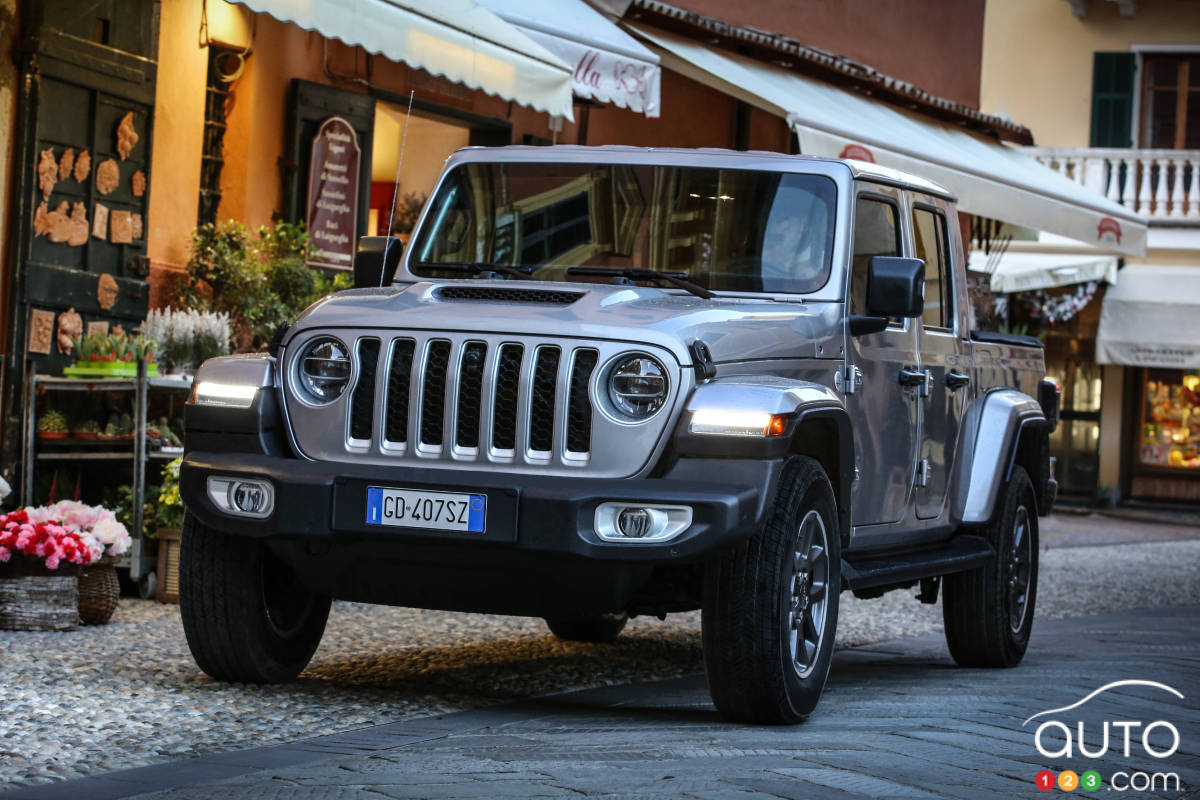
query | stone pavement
(898,720)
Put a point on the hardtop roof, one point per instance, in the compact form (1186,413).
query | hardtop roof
(701,156)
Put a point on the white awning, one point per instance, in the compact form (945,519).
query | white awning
(1151,318)
(1025,272)
(610,66)
(456,39)
(990,179)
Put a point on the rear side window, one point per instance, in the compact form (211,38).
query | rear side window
(876,233)
(931,246)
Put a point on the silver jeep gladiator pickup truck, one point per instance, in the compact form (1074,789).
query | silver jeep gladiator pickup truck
(602,382)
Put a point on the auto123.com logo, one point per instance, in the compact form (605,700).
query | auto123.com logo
(1063,734)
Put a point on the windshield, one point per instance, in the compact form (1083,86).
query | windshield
(732,230)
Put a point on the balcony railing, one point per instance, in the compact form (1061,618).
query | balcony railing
(1160,185)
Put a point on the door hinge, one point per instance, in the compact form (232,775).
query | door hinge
(923,469)
(848,379)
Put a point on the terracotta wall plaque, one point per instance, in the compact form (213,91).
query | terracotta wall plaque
(333,195)
(126,136)
(108,176)
(41,331)
(107,289)
(79,225)
(100,221)
(97,328)
(59,223)
(83,165)
(120,227)
(66,163)
(47,170)
(70,325)
(138,183)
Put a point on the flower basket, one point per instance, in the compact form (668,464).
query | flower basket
(99,591)
(34,598)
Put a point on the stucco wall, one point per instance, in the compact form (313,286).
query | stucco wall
(1037,58)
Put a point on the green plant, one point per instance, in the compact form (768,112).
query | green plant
(124,509)
(107,347)
(169,513)
(87,426)
(261,280)
(52,422)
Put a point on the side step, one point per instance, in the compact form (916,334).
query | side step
(960,554)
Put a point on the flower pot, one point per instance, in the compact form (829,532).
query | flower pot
(33,598)
(52,434)
(99,591)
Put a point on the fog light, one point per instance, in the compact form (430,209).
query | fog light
(241,497)
(619,522)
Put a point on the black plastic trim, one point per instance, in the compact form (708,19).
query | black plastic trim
(959,554)
(996,337)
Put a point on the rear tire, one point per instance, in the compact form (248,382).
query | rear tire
(988,612)
(246,616)
(599,629)
(771,606)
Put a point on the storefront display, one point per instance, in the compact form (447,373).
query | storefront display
(1171,419)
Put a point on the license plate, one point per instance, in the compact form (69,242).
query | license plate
(418,508)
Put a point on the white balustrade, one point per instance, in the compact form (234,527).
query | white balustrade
(1158,184)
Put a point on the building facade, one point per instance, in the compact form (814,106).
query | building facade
(1111,92)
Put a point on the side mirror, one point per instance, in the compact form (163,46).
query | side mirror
(369,268)
(895,287)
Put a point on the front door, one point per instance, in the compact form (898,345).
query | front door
(883,412)
(945,357)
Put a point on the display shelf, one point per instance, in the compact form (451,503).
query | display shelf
(137,450)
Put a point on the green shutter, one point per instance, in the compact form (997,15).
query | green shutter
(1112,99)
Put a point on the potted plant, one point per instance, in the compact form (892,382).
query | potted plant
(187,337)
(108,355)
(88,429)
(168,515)
(52,425)
(42,553)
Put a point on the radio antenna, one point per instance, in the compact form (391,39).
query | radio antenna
(396,186)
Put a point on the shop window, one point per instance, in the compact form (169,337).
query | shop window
(1171,419)
(929,233)
(1171,102)
(876,233)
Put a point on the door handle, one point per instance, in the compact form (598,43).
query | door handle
(957,380)
(911,377)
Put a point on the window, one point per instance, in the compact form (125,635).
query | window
(729,230)
(1112,99)
(1171,419)
(1171,102)
(929,237)
(875,234)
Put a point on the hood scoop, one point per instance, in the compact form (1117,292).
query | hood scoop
(498,294)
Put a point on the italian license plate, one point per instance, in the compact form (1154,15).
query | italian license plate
(418,508)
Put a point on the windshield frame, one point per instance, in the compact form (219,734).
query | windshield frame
(837,172)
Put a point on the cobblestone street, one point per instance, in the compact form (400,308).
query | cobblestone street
(382,665)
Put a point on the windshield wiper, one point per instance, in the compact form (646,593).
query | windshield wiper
(479,269)
(677,279)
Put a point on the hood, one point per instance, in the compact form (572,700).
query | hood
(735,329)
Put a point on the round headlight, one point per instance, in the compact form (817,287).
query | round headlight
(324,369)
(637,386)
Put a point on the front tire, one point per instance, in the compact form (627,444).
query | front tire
(988,612)
(596,629)
(771,606)
(246,616)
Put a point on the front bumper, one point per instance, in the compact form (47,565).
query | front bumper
(325,504)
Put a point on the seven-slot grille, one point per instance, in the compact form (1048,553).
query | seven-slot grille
(471,397)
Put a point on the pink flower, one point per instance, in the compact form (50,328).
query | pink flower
(5,554)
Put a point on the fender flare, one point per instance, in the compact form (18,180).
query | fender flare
(987,452)
(808,406)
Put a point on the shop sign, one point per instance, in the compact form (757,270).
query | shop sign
(333,195)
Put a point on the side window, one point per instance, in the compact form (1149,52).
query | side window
(876,233)
(929,239)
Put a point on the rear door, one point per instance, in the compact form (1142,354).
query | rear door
(945,353)
(883,412)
